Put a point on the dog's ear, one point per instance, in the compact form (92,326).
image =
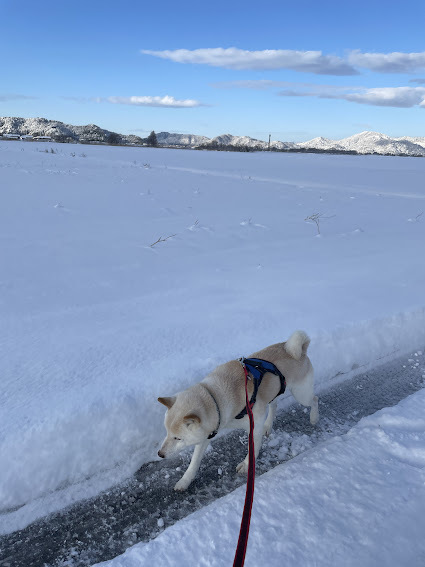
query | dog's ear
(169,402)
(191,418)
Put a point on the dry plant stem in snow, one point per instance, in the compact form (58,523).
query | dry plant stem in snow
(160,239)
(316,218)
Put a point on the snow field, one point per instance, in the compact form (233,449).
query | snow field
(96,322)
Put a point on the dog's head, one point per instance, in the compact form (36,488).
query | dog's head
(184,426)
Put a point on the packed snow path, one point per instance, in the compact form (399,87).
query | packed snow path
(101,528)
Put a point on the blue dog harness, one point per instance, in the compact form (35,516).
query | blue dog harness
(257,367)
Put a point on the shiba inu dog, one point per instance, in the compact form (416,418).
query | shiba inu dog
(217,402)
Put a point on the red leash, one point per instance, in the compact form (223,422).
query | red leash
(249,495)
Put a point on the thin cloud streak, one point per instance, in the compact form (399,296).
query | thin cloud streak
(399,97)
(158,101)
(263,84)
(10,96)
(83,99)
(260,84)
(395,62)
(268,59)
(306,61)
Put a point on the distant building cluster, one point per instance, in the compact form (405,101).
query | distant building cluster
(26,137)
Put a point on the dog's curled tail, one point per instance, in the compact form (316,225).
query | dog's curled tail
(297,344)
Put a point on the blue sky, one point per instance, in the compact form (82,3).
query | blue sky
(296,70)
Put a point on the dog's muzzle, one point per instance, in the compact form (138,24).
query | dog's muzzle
(161,454)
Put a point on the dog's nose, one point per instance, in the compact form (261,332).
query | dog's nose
(161,454)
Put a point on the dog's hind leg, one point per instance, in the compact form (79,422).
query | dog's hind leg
(303,392)
(192,469)
(314,411)
(270,418)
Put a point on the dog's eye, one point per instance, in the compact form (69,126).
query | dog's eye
(177,438)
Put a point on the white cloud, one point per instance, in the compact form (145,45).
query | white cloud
(401,97)
(160,101)
(395,62)
(234,58)
(306,61)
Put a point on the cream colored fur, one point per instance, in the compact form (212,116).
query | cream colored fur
(192,414)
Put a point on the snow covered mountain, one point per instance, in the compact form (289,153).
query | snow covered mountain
(320,143)
(374,142)
(191,140)
(363,143)
(246,141)
(172,139)
(61,132)
(370,143)
(414,139)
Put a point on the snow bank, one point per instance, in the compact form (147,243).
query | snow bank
(96,322)
(355,500)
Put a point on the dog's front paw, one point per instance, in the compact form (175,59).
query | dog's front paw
(242,468)
(181,485)
(267,430)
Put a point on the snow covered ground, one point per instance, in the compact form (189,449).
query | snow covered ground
(97,320)
(354,500)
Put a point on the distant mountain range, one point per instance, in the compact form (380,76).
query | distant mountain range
(61,132)
(225,140)
(363,143)
(371,143)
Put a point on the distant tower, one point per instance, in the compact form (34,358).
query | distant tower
(269,140)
